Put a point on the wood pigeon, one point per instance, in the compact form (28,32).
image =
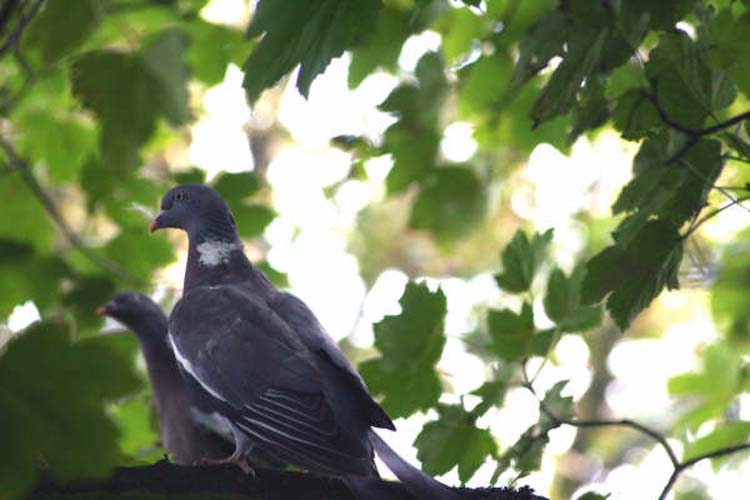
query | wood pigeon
(272,370)
(181,433)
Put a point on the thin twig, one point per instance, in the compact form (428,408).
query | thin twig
(678,466)
(688,463)
(625,422)
(691,131)
(24,20)
(18,164)
(714,213)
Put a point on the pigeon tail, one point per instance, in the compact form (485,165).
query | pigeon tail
(421,485)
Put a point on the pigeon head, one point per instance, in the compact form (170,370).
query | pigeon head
(199,211)
(137,312)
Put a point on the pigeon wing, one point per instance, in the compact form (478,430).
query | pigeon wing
(262,380)
(331,360)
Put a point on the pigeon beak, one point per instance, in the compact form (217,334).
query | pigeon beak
(103,310)
(156,223)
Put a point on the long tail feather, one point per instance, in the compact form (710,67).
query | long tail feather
(419,484)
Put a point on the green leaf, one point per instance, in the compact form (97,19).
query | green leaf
(193,176)
(305,32)
(253,219)
(729,291)
(635,115)
(57,413)
(450,204)
(382,48)
(461,29)
(728,435)
(585,51)
(675,192)
(627,77)
(591,495)
(236,187)
(28,276)
(521,260)
(212,48)
(414,139)
(541,42)
(561,407)
(53,38)
(275,276)
(511,333)
(729,49)
(133,418)
(61,143)
(413,156)
(633,275)
(687,88)
(591,110)
(410,345)
(562,303)
(84,296)
(453,440)
(22,218)
(139,253)
(492,394)
(128,92)
(718,382)
(525,454)
(482,83)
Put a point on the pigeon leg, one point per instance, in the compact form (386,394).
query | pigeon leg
(237,458)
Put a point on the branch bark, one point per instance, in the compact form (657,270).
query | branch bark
(167,480)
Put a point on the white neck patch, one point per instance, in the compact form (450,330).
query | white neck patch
(215,252)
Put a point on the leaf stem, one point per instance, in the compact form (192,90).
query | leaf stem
(688,463)
(714,213)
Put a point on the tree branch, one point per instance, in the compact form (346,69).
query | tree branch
(691,131)
(688,463)
(679,467)
(167,480)
(23,21)
(20,165)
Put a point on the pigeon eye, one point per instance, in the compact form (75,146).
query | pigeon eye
(180,196)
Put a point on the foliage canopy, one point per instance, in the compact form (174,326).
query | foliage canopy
(97,95)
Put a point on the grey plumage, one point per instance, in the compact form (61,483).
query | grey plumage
(269,365)
(181,434)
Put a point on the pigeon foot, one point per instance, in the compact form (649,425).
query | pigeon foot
(238,459)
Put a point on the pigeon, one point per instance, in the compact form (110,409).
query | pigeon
(182,435)
(270,367)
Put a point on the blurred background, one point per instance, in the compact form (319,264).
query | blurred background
(102,115)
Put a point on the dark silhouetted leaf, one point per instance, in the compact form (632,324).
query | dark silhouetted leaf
(634,274)
(562,303)
(511,333)
(453,440)
(410,344)
(521,259)
(53,406)
(306,32)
